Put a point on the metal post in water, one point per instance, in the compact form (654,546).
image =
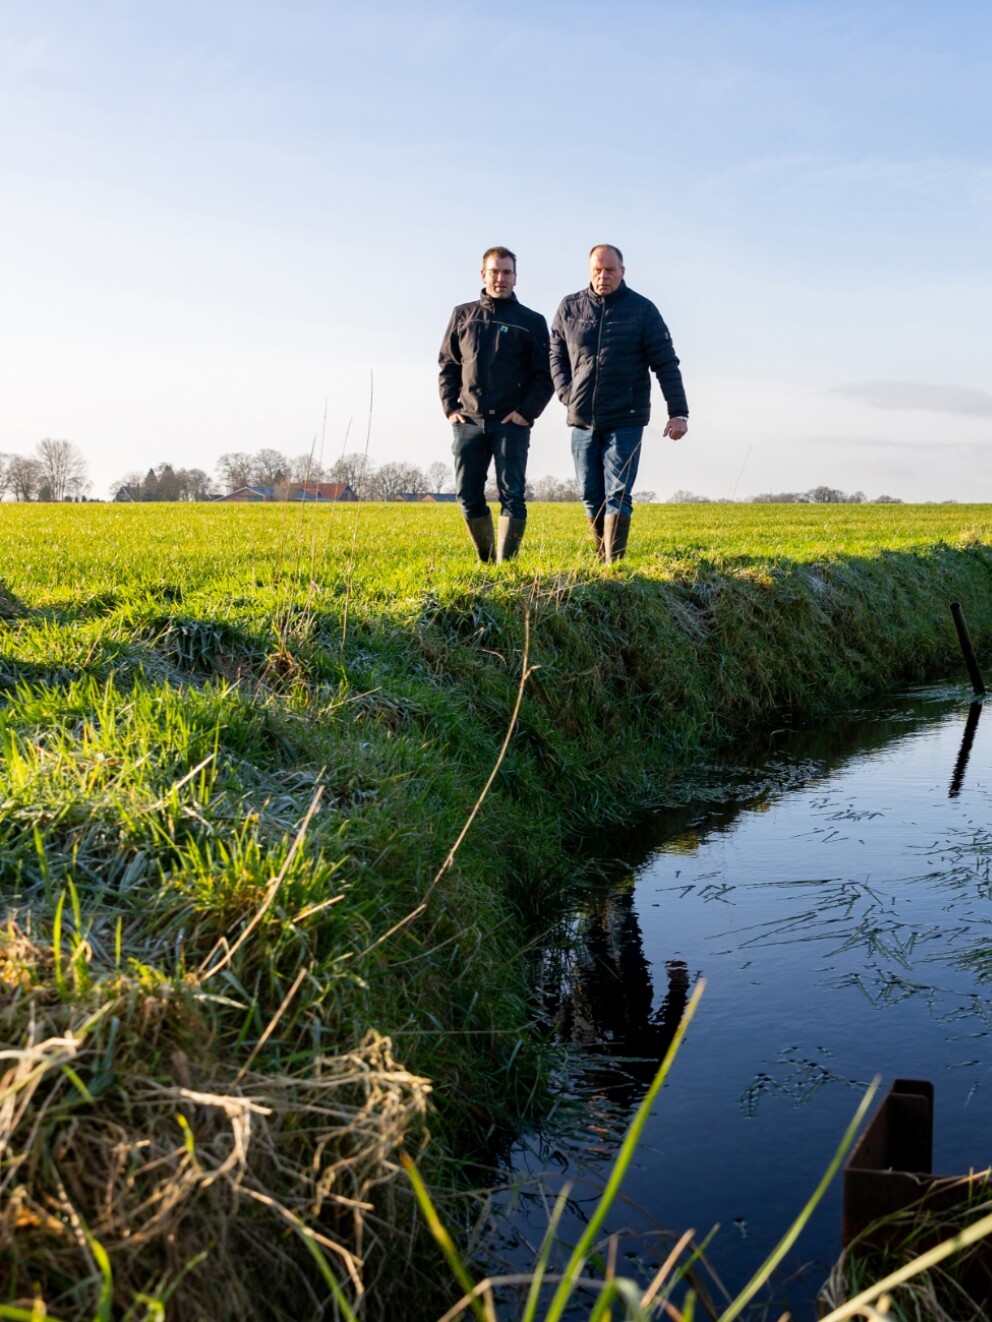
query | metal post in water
(977,683)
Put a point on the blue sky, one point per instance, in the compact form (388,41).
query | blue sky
(216,217)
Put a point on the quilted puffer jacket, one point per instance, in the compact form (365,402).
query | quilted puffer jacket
(602,350)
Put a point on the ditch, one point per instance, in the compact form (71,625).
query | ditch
(836,894)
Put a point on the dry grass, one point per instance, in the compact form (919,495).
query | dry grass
(940,1286)
(191,1183)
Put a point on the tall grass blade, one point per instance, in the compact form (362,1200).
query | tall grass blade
(331,1281)
(10,1313)
(738,1305)
(105,1304)
(441,1236)
(624,1157)
(544,1255)
(57,947)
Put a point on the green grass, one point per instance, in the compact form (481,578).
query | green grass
(238,745)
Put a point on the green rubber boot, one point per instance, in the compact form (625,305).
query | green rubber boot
(616,530)
(596,528)
(481,532)
(509,537)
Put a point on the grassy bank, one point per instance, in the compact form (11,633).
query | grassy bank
(240,971)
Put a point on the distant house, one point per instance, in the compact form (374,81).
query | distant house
(321,491)
(123,494)
(425,497)
(247,495)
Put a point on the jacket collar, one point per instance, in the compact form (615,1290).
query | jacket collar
(494,304)
(603,300)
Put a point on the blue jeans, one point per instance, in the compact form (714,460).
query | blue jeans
(475,444)
(606,462)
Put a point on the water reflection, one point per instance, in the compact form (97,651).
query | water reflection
(836,899)
(967,739)
(611,994)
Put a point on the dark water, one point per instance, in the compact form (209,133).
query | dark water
(836,896)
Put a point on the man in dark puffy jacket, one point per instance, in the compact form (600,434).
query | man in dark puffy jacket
(605,341)
(494,382)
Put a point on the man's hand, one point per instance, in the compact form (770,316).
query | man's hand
(457,417)
(517,418)
(676,428)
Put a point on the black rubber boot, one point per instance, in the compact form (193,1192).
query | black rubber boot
(481,532)
(509,537)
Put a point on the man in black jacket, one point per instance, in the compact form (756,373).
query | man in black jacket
(494,382)
(605,341)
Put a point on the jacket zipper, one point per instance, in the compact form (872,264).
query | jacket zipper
(599,345)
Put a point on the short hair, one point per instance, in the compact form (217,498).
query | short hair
(613,248)
(499,252)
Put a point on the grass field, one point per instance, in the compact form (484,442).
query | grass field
(240,970)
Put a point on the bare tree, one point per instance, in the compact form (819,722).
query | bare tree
(270,467)
(304,468)
(235,469)
(4,473)
(554,488)
(195,484)
(24,476)
(682,497)
(543,488)
(438,476)
(644,497)
(393,479)
(130,482)
(63,468)
(357,471)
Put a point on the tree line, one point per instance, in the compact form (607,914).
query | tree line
(821,495)
(58,471)
(55,471)
(274,470)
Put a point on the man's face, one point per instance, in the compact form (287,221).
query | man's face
(605,272)
(499,276)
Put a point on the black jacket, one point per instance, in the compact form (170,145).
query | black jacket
(602,349)
(494,360)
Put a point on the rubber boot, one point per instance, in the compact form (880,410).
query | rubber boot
(509,537)
(481,532)
(596,528)
(616,529)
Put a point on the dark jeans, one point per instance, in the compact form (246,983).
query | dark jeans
(606,462)
(475,444)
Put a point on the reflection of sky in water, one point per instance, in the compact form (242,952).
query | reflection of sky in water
(837,925)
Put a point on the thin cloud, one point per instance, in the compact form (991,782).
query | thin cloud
(860,444)
(919,397)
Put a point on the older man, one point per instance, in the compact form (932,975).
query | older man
(494,382)
(605,342)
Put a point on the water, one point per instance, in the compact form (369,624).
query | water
(835,896)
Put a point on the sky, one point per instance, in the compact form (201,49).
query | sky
(226,227)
